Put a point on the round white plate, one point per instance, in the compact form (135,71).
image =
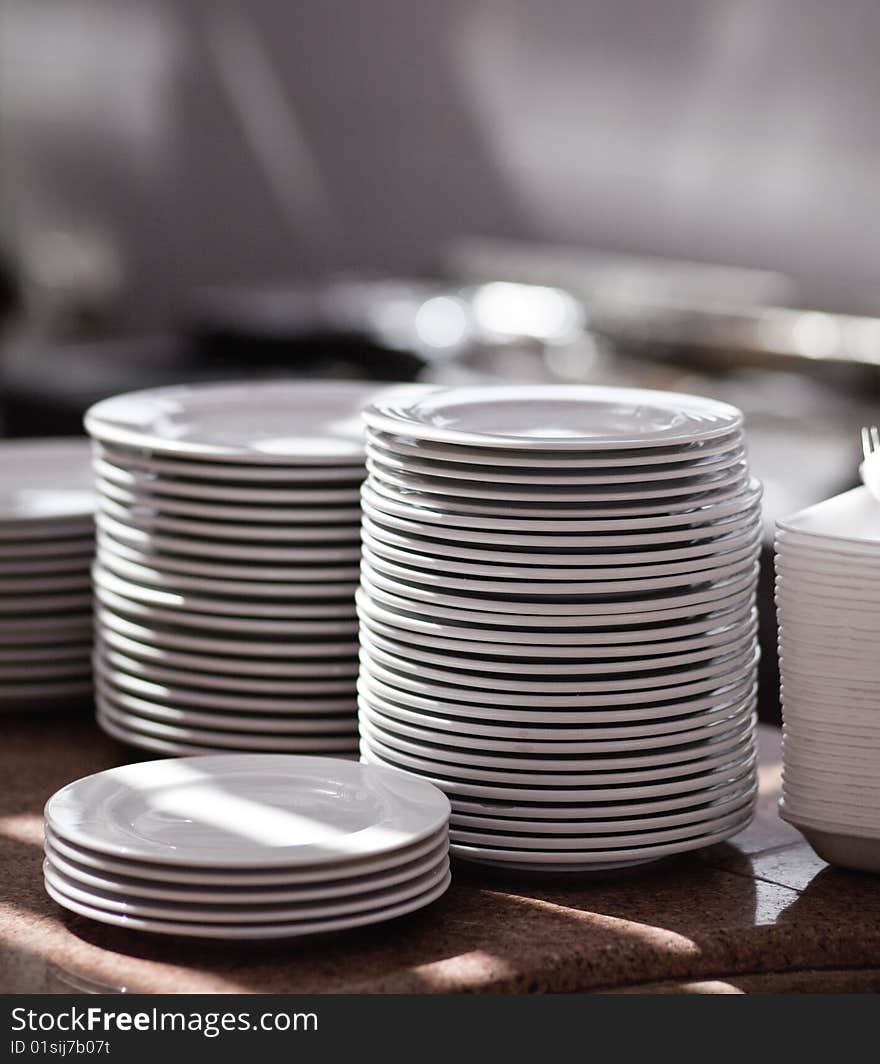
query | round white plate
(66,583)
(551,417)
(447,490)
(175,581)
(252,571)
(241,475)
(853,517)
(139,482)
(509,840)
(455,786)
(534,613)
(453,577)
(527,457)
(75,668)
(288,646)
(140,694)
(228,551)
(42,567)
(401,642)
(370,686)
(317,684)
(201,528)
(251,932)
(244,812)
(149,504)
(346,874)
(29,655)
(556,527)
(713,630)
(130,887)
(544,742)
(235,610)
(33,551)
(227,668)
(394,664)
(548,860)
(264,422)
(226,913)
(548,757)
(12,607)
(503,565)
(23,693)
(484,468)
(45,480)
(501,733)
(21,534)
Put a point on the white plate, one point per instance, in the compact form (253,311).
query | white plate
(551,417)
(24,693)
(228,893)
(44,481)
(370,686)
(233,609)
(264,422)
(20,534)
(853,517)
(225,914)
(242,647)
(149,504)
(12,607)
(32,550)
(201,528)
(529,458)
(137,694)
(444,489)
(501,733)
(251,932)
(137,481)
(138,728)
(646,609)
(462,766)
(394,664)
(224,667)
(543,741)
(537,757)
(45,630)
(234,589)
(243,475)
(547,860)
(245,812)
(193,547)
(715,628)
(30,655)
(29,585)
(586,844)
(449,575)
(485,468)
(40,567)
(79,667)
(317,684)
(253,571)
(557,527)
(455,786)
(398,642)
(408,550)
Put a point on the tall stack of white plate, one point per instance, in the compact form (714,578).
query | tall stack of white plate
(828,602)
(557,617)
(242,847)
(226,566)
(47,542)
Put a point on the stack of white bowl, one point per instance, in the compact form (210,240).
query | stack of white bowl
(828,600)
(557,617)
(226,566)
(47,542)
(242,847)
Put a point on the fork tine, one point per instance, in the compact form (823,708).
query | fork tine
(875,437)
(866,441)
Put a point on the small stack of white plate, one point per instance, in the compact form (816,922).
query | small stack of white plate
(828,602)
(227,561)
(239,846)
(557,617)
(47,542)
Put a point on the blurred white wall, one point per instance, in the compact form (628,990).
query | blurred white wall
(168,143)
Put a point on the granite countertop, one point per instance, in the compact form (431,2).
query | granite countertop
(759,913)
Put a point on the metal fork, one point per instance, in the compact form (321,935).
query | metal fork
(870,468)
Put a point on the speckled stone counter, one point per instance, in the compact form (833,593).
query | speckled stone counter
(761,913)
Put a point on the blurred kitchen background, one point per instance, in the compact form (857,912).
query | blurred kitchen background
(677,194)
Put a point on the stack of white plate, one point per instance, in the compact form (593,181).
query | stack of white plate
(245,847)
(557,617)
(227,561)
(47,542)
(828,600)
